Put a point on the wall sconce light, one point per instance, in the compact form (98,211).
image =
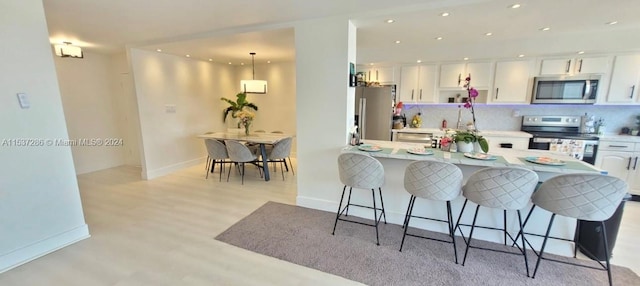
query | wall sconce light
(253,85)
(67,50)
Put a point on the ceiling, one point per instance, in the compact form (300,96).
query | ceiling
(226,31)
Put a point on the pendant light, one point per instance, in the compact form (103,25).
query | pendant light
(253,85)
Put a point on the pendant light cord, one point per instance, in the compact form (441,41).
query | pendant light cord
(253,65)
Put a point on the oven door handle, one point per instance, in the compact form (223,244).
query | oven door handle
(542,140)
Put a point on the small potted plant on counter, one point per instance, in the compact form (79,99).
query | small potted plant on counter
(465,141)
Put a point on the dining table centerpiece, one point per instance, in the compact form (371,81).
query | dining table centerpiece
(237,110)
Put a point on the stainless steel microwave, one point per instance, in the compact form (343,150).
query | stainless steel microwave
(582,89)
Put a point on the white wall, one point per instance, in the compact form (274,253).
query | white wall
(194,87)
(90,110)
(40,209)
(324,107)
(123,92)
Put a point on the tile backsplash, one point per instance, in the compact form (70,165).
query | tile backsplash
(509,117)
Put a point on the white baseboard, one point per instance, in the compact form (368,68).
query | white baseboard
(43,247)
(152,174)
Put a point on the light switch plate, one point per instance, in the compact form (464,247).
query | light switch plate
(23,99)
(170,108)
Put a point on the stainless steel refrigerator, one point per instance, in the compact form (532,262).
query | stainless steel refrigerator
(374,111)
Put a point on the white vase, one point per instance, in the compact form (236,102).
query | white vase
(464,147)
(477,148)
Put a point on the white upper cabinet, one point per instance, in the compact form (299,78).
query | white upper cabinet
(453,75)
(381,75)
(418,83)
(511,83)
(592,65)
(568,66)
(624,80)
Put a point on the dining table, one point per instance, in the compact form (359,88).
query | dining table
(261,139)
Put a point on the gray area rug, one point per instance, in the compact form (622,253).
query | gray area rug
(303,236)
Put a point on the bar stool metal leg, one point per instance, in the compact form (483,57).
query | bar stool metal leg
(473,224)
(338,212)
(544,243)
(407,219)
(524,246)
(452,231)
(375,215)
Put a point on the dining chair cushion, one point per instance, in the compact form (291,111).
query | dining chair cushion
(216,149)
(433,180)
(238,152)
(507,188)
(360,171)
(591,197)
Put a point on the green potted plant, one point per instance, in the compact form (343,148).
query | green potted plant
(237,106)
(469,138)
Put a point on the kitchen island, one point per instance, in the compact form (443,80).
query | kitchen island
(395,158)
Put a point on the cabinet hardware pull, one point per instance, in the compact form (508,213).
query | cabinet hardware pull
(459,78)
(568,65)
(421,94)
(629,164)
(635,164)
(580,68)
(497,91)
(369,75)
(377,78)
(633,88)
(617,146)
(412,94)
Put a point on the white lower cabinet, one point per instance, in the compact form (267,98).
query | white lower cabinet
(621,160)
(519,143)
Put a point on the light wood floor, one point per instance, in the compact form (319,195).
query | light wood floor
(161,232)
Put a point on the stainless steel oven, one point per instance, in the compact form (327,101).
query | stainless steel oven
(561,134)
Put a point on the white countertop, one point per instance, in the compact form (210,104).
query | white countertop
(620,138)
(511,156)
(488,133)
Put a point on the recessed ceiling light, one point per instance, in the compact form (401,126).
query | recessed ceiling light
(268,62)
(439,38)
(514,6)
(397,42)
(158,50)
(612,23)
(419,61)
(545,29)
(210,60)
(488,34)
(580,52)
(242,64)
(466,59)
(188,56)
(229,62)
(521,56)
(370,64)
(444,14)
(390,21)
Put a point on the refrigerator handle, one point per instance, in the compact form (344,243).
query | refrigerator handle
(363,117)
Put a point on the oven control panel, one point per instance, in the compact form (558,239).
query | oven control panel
(563,121)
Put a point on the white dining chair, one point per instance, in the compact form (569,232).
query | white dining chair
(217,152)
(241,154)
(279,154)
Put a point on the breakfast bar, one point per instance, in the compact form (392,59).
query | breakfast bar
(395,156)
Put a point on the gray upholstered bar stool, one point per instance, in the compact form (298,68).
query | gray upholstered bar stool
(361,172)
(591,197)
(436,181)
(506,188)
